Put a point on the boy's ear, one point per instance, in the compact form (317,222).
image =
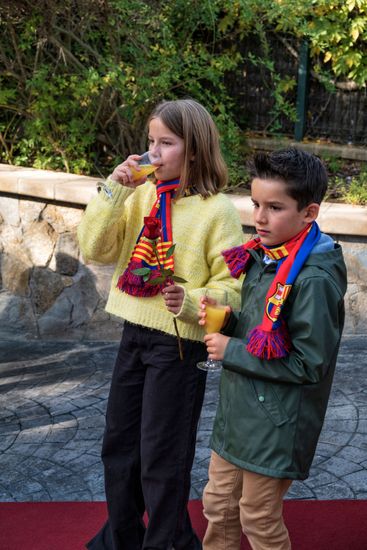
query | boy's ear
(311,212)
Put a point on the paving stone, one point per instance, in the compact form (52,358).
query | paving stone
(299,490)
(354,454)
(53,398)
(326,449)
(342,412)
(357,481)
(334,491)
(340,467)
(336,438)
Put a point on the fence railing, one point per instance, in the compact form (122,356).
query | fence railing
(338,115)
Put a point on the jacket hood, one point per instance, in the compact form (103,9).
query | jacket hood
(333,263)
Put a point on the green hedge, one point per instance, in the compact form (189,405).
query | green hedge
(78,78)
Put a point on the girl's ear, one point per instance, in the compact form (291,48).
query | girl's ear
(311,212)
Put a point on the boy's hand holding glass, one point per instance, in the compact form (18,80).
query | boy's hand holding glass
(213,316)
(135,169)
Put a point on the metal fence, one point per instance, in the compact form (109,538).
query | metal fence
(339,115)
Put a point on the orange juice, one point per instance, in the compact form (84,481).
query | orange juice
(215,316)
(145,170)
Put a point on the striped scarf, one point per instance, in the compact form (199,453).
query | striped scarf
(271,339)
(143,254)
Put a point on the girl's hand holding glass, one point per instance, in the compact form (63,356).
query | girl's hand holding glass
(213,315)
(135,169)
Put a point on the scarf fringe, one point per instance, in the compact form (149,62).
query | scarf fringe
(236,259)
(272,344)
(134,284)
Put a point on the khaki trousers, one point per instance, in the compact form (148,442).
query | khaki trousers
(237,500)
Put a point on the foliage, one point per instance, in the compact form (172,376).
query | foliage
(347,181)
(336,30)
(357,191)
(78,79)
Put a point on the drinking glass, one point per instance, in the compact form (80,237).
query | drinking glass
(147,163)
(215,307)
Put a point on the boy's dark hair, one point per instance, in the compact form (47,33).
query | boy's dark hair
(304,174)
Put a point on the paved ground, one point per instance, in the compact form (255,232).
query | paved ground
(52,401)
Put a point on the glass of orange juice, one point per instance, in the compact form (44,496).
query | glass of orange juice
(216,310)
(147,164)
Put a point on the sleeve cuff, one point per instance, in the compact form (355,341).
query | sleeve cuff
(113,192)
(189,309)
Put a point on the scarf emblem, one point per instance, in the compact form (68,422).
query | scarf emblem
(275,302)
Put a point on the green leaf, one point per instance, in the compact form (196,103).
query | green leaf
(178,279)
(170,251)
(141,271)
(167,272)
(146,277)
(156,281)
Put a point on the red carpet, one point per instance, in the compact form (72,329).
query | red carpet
(313,525)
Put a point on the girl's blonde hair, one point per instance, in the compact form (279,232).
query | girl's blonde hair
(204,170)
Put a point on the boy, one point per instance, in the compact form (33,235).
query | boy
(279,354)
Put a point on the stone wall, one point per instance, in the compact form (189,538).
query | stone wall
(47,291)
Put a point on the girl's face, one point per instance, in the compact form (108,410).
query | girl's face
(169,148)
(276,216)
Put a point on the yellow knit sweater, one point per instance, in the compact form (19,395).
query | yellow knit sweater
(201,230)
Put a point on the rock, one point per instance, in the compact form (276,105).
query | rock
(30,211)
(16,317)
(40,239)
(73,308)
(356,307)
(62,218)
(15,271)
(9,211)
(102,275)
(10,237)
(356,260)
(45,287)
(67,254)
(57,319)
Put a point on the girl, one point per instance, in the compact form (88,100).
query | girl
(156,397)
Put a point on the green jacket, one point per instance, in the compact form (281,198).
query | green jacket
(270,412)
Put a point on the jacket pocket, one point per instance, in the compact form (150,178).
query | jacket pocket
(269,402)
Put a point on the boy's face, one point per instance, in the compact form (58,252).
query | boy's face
(276,216)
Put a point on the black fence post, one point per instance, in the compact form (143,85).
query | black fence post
(302,91)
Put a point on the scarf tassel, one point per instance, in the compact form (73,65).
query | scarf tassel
(134,284)
(236,259)
(272,344)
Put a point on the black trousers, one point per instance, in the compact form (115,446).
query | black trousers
(149,442)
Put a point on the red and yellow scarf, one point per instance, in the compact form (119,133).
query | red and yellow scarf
(157,228)
(271,339)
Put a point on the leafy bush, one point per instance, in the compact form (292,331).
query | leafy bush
(79,78)
(347,181)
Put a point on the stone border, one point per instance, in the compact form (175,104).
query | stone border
(334,218)
(47,185)
(351,152)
